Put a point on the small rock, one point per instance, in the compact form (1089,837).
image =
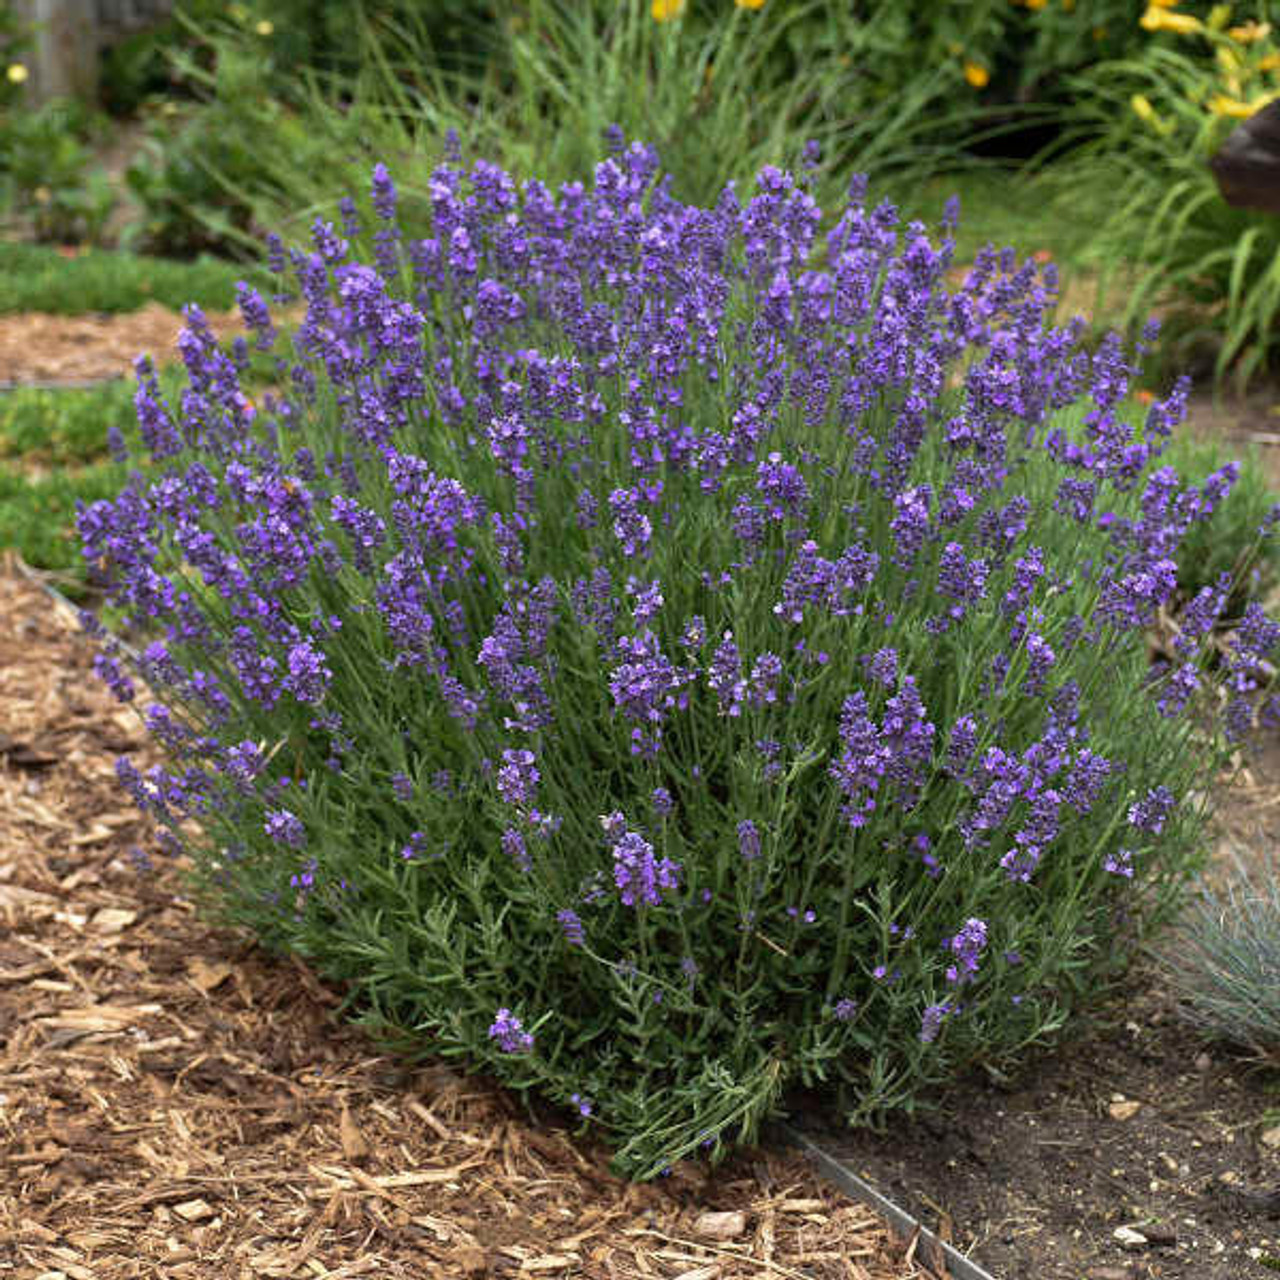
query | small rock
(1109,1273)
(1203,1062)
(721,1226)
(193,1210)
(1130,1237)
(1124,1110)
(1271,1137)
(1164,1233)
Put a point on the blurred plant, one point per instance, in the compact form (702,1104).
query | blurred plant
(1171,242)
(1223,958)
(47,168)
(15,38)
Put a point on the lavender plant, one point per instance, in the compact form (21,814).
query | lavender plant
(661,655)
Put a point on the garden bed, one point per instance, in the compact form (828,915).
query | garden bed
(173,1103)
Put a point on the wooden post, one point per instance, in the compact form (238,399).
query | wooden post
(69,36)
(63,56)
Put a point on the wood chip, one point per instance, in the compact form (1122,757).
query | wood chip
(354,1146)
(193,1210)
(727,1225)
(112,920)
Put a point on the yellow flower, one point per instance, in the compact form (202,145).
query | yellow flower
(1250,32)
(1142,108)
(1035,4)
(749,4)
(1158,19)
(265,28)
(1270,63)
(17,73)
(1068,5)
(665,10)
(1221,105)
(977,76)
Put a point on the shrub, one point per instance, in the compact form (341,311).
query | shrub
(1158,118)
(660,657)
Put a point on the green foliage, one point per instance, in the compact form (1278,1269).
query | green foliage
(1230,542)
(45,165)
(1223,959)
(39,278)
(1170,243)
(53,456)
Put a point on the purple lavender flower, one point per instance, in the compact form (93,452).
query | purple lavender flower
(509,1032)
(748,840)
(518,777)
(640,877)
(513,845)
(1149,813)
(571,924)
(631,526)
(309,674)
(845,1009)
(107,669)
(285,828)
(663,804)
(966,948)
(932,1019)
(402,786)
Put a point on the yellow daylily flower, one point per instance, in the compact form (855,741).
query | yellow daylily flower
(1270,63)
(265,28)
(1221,105)
(1035,4)
(16,74)
(1068,5)
(1250,32)
(749,4)
(1158,19)
(977,76)
(665,10)
(1142,108)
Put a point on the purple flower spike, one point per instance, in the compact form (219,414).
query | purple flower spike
(285,828)
(509,1032)
(640,877)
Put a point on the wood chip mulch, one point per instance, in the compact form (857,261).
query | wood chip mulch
(174,1104)
(36,348)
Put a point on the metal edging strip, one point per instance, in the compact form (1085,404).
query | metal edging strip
(934,1252)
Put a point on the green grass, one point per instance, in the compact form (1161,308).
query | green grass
(52,454)
(39,278)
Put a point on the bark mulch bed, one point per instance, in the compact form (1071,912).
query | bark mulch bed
(174,1104)
(41,349)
